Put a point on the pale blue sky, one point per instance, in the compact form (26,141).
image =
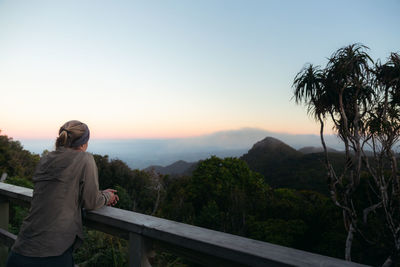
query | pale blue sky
(173,68)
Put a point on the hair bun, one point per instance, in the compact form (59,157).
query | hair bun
(64,130)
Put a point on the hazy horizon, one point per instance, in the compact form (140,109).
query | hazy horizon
(141,153)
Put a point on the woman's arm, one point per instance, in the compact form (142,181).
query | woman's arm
(92,197)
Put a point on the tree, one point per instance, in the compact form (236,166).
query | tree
(383,132)
(15,160)
(360,99)
(144,190)
(227,191)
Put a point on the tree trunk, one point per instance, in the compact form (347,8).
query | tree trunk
(349,242)
(157,200)
(321,134)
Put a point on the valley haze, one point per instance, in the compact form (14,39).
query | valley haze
(141,153)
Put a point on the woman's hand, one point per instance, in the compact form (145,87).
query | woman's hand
(114,197)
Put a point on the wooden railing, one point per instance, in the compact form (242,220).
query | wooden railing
(204,246)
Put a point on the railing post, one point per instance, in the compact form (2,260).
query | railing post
(4,216)
(139,250)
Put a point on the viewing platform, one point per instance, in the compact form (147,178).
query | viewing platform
(146,233)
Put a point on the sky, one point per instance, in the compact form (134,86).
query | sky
(172,69)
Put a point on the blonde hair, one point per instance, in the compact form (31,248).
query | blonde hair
(70,132)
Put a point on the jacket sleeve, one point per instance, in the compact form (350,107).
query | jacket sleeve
(92,197)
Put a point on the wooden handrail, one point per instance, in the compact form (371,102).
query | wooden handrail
(205,246)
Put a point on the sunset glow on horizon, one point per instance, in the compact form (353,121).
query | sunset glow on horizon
(31,131)
(172,69)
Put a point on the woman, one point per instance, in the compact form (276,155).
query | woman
(65,181)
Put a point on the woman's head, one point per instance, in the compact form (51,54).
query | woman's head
(73,134)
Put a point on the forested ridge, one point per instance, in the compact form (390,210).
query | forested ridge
(220,194)
(278,163)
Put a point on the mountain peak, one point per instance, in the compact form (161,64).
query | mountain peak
(268,143)
(268,152)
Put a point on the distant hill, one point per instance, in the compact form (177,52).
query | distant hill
(177,168)
(268,152)
(283,166)
(280,164)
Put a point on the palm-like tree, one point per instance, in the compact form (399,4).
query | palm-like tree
(310,90)
(384,126)
(342,92)
(348,75)
(388,76)
(363,102)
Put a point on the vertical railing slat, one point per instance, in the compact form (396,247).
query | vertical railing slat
(139,249)
(4,218)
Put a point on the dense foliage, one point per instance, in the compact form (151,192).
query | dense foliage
(225,195)
(14,160)
(222,194)
(304,171)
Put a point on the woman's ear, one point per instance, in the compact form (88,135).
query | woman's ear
(83,147)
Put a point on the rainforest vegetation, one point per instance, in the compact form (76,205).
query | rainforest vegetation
(221,194)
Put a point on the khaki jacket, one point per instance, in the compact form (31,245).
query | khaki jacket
(65,181)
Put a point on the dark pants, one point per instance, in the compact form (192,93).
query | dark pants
(18,260)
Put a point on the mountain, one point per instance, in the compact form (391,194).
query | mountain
(273,145)
(268,152)
(179,167)
(280,164)
(283,166)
